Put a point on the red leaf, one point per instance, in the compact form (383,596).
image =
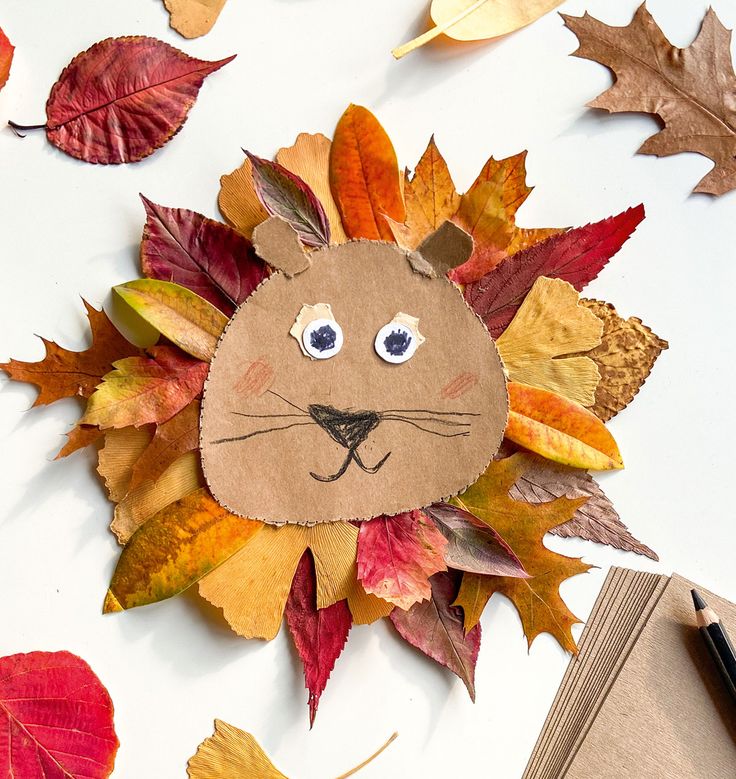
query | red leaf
(207,257)
(397,555)
(436,628)
(123,98)
(56,719)
(576,256)
(6,58)
(319,634)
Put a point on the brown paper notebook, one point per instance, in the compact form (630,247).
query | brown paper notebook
(643,698)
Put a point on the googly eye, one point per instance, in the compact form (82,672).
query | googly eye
(322,338)
(397,341)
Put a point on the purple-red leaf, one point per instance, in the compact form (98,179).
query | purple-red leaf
(207,257)
(436,628)
(284,194)
(576,256)
(123,98)
(319,634)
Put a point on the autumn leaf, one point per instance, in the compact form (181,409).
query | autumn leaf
(596,520)
(57,719)
(309,158)
(549,327)
(559,429)
(522,525)
(238,200)
(625,358)
(66,374)
(364,176)
(475,20)
(6,58)
(185,318)
(141,390)
(117,458)
(79,437)
(319,635)
(207,257)
(397,555)
(193,18)
(174,549)
(122,99)
(689,89)
(576,256)
(435,627)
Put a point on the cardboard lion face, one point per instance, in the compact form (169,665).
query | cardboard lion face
(353,383)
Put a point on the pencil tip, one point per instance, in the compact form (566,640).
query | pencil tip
(698,601)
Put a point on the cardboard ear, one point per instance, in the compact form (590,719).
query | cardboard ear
(277,243)
(446,248)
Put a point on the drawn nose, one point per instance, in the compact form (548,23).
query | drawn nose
(347,428)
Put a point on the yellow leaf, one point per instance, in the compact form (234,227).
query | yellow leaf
(550,326)
(118,457)
(475,20)
(309,158)
(238,200)
(186,319)
(192,18)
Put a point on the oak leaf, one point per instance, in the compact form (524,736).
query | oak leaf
(625,358)
(576,256)
(522,525)
(57,719)
(207,257)
(397,556)
(66,374)
(690,90)
(537,347)
(238,200)
(193,18)
(6,58)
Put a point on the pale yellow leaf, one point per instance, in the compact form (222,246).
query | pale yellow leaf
(192,18)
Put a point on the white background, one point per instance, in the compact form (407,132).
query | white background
(71,229)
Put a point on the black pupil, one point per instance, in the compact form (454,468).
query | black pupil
(397,343)
(323,338)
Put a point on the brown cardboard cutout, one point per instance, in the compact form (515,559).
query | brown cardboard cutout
(353,436)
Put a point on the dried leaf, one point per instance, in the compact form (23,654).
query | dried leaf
(207,257)
(596,520)
(576,256)
(238,200)
(174,549)
(690,90)
(79,437)
(364,176)
(319,634)
(397,555)
(123,98)
(435,627)
(285,195)
(117,458)
(625,358)
(172,439)
(522,525)
(6,58)
(559,429)
(148,389)
(309,158)
(472,545)
(57,719)
(193,18)
(549,327)
(65,374)
(475,20)
(185,318)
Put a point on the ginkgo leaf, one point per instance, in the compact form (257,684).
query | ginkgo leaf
(474,20)
(174,549)
(625,359)
(522,525)
(550,326)
(66,374)
(117,458)
(6,58)
(186,319)
(689,89)
(193,18)
(559,429)
(238,200)
(141,390)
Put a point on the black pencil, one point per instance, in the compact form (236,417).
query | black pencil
(717,641)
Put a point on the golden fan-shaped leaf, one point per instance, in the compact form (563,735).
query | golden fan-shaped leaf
(238,200)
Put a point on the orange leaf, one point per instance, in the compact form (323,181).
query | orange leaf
(559,429)
(364,176)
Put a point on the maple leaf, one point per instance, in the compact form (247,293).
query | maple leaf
(66,374)
(319,635)
(691,89)
(522,526)
(79,437)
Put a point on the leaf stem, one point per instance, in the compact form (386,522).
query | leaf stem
(370,759)
(16,128)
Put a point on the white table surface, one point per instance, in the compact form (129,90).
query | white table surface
(71,229)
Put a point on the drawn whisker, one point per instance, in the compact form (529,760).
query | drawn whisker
(446,422)
(426,429)
(288,402)
(429,411)
(266,416)
(260,432)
